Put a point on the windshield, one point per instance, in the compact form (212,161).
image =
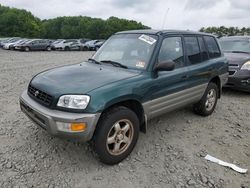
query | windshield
(131,50)
(235,45)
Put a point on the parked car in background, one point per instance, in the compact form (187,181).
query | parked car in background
(90,45)
(8,40)
(18,45)
(237,51)
(135,76)
(99,44)
(35,45)
(68,44)
(2,40)
(13,46)
(9,45)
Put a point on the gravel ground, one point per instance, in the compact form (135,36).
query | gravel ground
(171,154)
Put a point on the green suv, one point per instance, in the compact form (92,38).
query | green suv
(133,77)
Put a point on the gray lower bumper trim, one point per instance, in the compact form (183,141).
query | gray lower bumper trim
(47,118)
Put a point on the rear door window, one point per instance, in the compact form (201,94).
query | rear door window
(212,46)
(192,49)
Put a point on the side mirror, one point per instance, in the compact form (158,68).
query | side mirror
(165,66)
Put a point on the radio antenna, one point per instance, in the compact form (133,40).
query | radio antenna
(165,18)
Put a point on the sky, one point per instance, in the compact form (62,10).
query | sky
(157,14)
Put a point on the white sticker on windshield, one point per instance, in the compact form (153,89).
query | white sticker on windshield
(147,39)
(140,64)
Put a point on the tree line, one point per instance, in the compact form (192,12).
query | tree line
(226,31)
(21,23)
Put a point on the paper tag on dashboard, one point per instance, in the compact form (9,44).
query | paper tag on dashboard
(140,64)
(147,39)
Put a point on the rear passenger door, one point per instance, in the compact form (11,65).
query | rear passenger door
(200,66)
(42,45)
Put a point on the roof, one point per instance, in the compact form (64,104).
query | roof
(162,32)
(236,38)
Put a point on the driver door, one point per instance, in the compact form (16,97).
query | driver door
(169,87)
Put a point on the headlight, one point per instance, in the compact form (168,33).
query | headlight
(246,66)
(74,101)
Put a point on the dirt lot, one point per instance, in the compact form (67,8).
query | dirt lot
(171,154)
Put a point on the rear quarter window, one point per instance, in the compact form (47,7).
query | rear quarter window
(212,46)
(203,50)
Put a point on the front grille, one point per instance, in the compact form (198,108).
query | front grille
(40,96)
(231,73)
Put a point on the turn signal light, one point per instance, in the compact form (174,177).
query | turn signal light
(78,126)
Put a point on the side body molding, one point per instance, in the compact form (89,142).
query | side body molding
(173,101)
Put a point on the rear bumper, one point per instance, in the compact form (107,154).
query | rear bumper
(49,119)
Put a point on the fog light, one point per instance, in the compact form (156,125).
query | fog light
(71,127)
(78,126)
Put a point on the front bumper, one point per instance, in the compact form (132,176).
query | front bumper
(240,80)
(48,119)
(17,47)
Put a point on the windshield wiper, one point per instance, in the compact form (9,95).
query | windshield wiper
(94,61)
(240,52)
(114,63)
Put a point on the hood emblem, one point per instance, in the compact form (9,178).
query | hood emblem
(36,93)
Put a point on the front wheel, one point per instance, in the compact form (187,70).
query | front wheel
(48,48)
(116,135)
(207,104)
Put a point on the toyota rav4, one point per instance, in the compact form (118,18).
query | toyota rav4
(133,77)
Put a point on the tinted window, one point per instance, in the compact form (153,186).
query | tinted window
(171,49)
(193,50)
(231,45)
(70,40)
(212,47)
(42,41)
(34,42)
(203,50)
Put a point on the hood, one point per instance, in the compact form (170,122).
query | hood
(237,58)
(80,78)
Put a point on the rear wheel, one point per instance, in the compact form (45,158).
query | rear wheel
(116,135)
(67,48)
(85,48)
(207,104)
(26,49)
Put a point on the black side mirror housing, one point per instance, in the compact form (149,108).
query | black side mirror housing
(165,66)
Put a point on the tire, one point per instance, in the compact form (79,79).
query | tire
(48,48)
(85,48)
(120,126)
(26,49)
(97,48)
(207,104)
(66,48)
